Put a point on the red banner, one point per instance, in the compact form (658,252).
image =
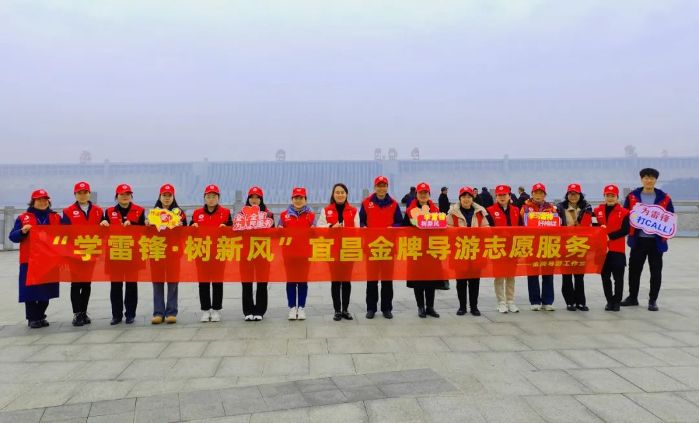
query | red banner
(186,254)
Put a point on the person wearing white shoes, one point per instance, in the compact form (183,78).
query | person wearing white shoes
(504,213)
(297,215)
(211,273)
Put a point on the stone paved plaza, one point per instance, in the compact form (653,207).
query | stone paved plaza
(561,366)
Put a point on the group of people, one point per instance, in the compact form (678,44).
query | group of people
(378,210)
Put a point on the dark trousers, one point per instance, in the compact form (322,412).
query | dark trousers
(573,293)
(614,265)
(372,295)
(80,296)
(258,306)
(540,295)
(645,248)
(341,295)
(473,285)
(123,303)
(424,297)
(205,295)
(35,310)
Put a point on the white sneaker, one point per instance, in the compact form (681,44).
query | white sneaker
(215,315)
(292,313)
(512,308)
(536,307)
(205,316)
(249,318)
(257,317)
(549,307)
(502,308)
(301,314)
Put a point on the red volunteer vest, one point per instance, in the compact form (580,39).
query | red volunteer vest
(616,218)
(499,217)
(114,216)
(304,220)
(76,216)
(220,216)
(379,217)
(348,214)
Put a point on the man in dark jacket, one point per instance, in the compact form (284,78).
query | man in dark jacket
(523,197)
(409,197)
(486,198)
(444,201)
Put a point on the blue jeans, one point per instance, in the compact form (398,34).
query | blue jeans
(545,294)
(159,308)
(291,293)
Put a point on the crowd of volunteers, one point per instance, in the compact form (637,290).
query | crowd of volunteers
(379,210)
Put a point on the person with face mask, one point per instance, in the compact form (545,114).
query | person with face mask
(504,213)
(35,297)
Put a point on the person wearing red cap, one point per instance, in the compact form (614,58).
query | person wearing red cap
(540,297)
(379,210)
(340,214)
(467,214)
(164,271)
(211,274)
(255,308)
(35,297)
(124,213)
(424,289)
(82,212)
(297,215)
(504,213)
(574,211)
(615,219)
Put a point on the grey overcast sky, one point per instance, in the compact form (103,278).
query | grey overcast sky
(155,80)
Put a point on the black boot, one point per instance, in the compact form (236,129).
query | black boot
(77,319)
(652,306)
(86,318)
(421,312)
(338,316)
(346,315)
(432,312)
(475,311)
(629,302)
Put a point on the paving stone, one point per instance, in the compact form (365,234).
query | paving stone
(339,413)
(450,409)
(561,409)
(22,416)
(398,410)
(118,406)
(667,406)
(66,412)
(604,381)
(616,408)
(324,397)
(650,380)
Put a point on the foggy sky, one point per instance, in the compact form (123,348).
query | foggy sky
(237,80)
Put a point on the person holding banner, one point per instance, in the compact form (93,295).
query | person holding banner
(124,213)
(82,212)
(340,214)
(255,308)
(466,213)
(504,213)
(211,274)
(36,297)
(164,272)
(297,215)
(615,219)
(379,210)
(646,245)
(574,211)
(424,289)
(540,296)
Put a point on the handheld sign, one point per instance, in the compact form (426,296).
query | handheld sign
(164,219)
(542,220)
(653,220)
(250,217)
(432,221)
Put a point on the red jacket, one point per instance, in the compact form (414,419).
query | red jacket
(500,218)
(348,214)
(74,215)
(616,219)
(136,215)
(289,218)
(220,216)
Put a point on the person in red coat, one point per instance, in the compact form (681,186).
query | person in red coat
(35,297)
(211,275)
(504,213)
(574,211)
(424,289)
(124,213)
(615,219)
(82,212)
(297,215)
(340,214)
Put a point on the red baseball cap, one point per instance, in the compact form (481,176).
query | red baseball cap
(212,189)
(81,186)
(467,190)
(255,191)
(502,189)
(611,189)
(40,193)
(124,189)
(422,186)
(574,188)
(298,192)
(380,180)
(539,187)
(167,188)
